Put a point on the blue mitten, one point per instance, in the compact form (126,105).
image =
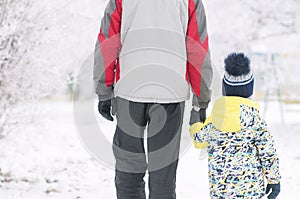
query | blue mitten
(275,190)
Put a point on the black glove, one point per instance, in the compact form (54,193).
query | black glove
(275,190)
(104,109)
(202,114)
(198,116)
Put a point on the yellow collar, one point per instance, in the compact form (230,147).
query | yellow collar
(226,113)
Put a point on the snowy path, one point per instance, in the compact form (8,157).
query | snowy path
(47,160)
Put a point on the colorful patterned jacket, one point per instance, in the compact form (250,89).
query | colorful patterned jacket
(241,152)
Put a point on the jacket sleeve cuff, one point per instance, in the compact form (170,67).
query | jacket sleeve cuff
(199,103)
(104,93)
(201,145)
(275,180)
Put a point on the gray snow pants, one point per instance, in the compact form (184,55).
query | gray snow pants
(163,123)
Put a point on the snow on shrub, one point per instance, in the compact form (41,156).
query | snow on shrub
(23,78)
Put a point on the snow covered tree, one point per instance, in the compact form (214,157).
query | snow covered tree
(272,18)
(241,24)
(23,78)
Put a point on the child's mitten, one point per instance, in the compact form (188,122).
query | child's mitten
(275,190)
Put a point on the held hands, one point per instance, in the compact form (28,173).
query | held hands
(104,108)
(275,190)
(197,120)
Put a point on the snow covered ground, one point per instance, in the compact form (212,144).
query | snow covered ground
(45,159)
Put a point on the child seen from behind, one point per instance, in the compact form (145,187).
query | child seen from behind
(241,151)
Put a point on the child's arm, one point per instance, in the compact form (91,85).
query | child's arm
(199,134)
(267,153)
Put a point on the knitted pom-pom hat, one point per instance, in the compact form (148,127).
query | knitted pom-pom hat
(238,78)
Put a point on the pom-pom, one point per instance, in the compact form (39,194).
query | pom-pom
(237,64)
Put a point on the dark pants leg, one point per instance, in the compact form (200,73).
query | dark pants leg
(128,148)
(164,130)
(129,182)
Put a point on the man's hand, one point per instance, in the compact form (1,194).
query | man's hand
(198,116)
(275,190)
(202,114)
(104,108)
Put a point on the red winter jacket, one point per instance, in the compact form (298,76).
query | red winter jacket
(151,51)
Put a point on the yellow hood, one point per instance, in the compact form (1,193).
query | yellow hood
(226,113)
